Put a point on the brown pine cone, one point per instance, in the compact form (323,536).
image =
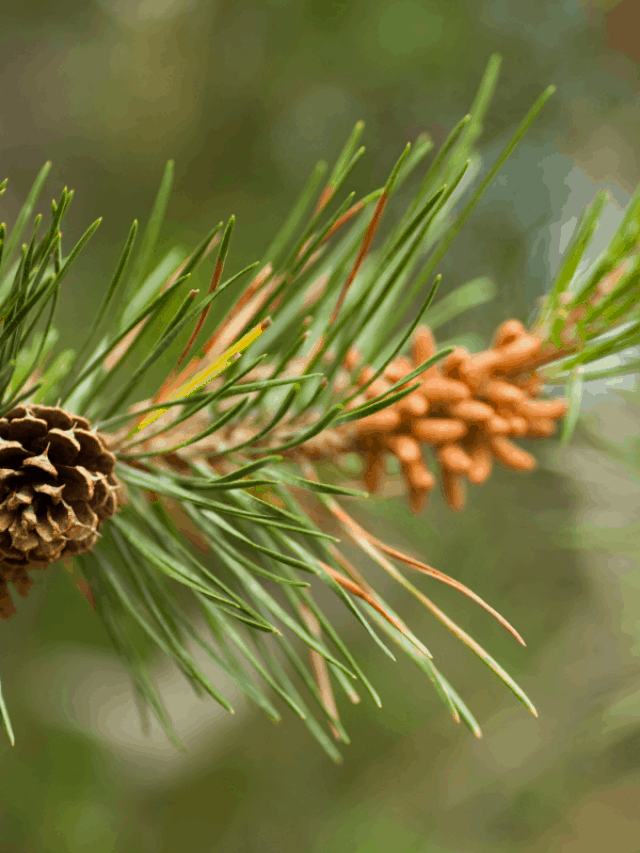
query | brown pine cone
(57,486)
(466,408)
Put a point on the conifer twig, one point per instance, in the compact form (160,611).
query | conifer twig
(231,470)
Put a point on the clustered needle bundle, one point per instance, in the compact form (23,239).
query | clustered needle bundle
(196,415)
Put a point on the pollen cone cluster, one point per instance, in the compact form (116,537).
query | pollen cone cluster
(467,408)
(57,486)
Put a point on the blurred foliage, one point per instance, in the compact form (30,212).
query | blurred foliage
(245,96)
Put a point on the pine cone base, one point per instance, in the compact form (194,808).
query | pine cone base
(57,487)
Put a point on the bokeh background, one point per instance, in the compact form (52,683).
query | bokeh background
(246,95)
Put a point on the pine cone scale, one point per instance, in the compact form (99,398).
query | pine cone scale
(10,450)
(78,485)
(27,428)
(42,462)
(64,445)
(54,492)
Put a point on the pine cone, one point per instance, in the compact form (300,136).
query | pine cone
(57,486)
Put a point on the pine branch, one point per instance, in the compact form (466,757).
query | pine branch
(192,520)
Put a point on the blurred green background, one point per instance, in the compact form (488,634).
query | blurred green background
(246,96)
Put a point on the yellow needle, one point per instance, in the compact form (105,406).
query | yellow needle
(208,373)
